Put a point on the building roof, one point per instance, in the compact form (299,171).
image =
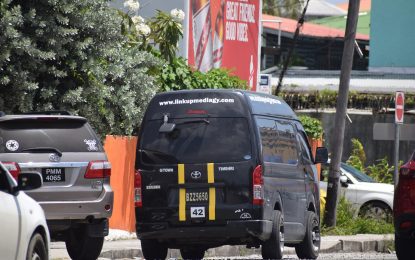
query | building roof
(309,29)
(339,22)
(323,8)
(365,5)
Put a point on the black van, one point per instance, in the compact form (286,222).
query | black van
(218,167)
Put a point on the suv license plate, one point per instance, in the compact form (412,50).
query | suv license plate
(53,174)
(197,212)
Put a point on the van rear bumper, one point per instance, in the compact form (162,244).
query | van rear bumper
(237,229)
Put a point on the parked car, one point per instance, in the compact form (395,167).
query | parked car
(404,211)
(218,167)
(76,195)
(23,229)
(368,197)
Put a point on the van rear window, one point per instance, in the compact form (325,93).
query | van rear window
(66,135)
(197,140)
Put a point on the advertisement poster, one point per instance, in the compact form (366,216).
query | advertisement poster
(225,33)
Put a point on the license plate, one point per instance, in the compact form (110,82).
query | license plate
(197,212)
(53,174)
(197,196)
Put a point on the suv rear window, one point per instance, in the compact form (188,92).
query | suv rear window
(197,140)
(66,135)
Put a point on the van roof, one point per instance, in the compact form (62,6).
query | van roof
(218,102)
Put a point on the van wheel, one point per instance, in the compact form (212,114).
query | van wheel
(192,253)
(82,246)
(37,248)
(273,248)
(152,249)
(310,246)
(404,248)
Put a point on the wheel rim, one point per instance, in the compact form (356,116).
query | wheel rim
(35,256)
(315,235)
(377,213)
(281,235)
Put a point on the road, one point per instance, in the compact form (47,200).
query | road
(332,256)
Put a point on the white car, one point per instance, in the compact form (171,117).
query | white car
(368,197)
(23,229)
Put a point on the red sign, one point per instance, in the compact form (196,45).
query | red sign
(225,33)
(399,107)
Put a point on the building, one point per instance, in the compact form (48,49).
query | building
(392,36)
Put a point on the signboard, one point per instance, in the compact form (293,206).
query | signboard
(399,107)
(386,132)
(225,33)
(264,85)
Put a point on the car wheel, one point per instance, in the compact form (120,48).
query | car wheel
(404,248)
(273,248)
(80,246)
(152,249)
(310,246)
(192,253)
(37,248)
(376,210)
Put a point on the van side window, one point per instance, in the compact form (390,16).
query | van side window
(287,144)
(305,150)
(269,135)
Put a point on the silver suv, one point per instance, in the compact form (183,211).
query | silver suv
(76,195)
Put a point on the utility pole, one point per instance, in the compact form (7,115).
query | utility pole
(341,110)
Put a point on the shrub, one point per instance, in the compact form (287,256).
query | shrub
(348,224)
(312,126)
(357,157)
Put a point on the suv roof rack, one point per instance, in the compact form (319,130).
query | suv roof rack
(50,112)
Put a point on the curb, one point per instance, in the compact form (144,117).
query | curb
(342,245)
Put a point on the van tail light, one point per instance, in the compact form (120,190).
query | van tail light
(138,198)
(257,186)
(13,168)
(404,199)
(98,169)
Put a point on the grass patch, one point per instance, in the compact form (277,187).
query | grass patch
(347,224)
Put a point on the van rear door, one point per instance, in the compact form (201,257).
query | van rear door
(201,172)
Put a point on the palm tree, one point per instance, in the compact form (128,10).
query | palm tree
(283,8)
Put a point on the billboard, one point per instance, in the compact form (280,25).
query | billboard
(225,33)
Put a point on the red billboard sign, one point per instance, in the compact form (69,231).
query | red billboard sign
(225,33)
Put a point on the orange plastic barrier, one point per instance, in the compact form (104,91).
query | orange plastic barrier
(314,143)
(121,153)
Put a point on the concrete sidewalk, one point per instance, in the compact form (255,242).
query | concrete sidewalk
(131,248)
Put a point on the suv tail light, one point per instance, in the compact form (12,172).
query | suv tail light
(257,186)
(138,198)
(98,169)
(13,168)
(405,191)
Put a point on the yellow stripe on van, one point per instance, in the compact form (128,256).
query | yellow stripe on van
(212,191)
(182,193)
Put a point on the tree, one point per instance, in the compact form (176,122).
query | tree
(71,55)
(283,8)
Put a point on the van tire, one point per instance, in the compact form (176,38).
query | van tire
(192,253)
(152,249)
(309,248)
(82,246)
(273,248)
(37,248)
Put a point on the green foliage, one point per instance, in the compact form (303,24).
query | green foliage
(178,76)
(348,224)
(382,171)
(71,55)
(285,8)
(312,126)
(166,33)
(357,158)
